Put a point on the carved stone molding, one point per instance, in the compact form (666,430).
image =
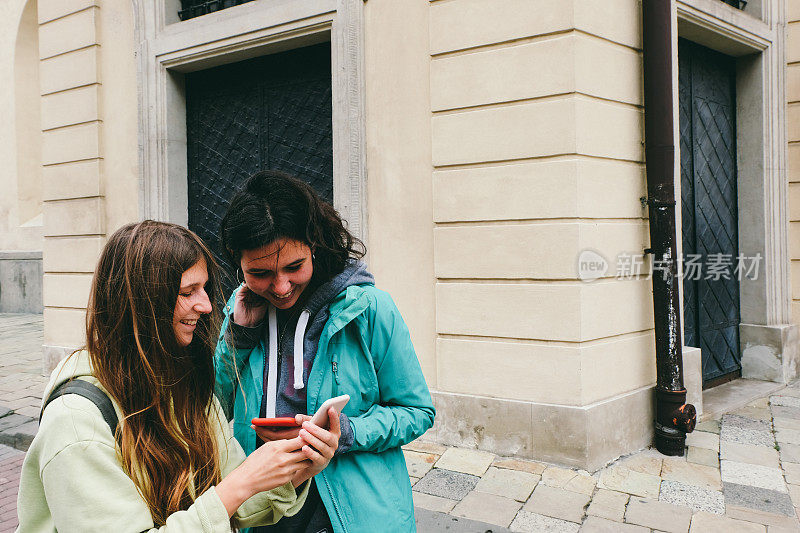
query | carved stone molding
(761,121)
(167,49)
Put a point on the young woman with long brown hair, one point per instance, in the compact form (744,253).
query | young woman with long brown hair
(172,462)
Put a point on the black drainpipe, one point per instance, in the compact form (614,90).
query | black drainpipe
(674,417)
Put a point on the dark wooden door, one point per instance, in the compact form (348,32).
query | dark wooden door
(709,211)
(271,112)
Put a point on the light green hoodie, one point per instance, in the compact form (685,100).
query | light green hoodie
(72,479)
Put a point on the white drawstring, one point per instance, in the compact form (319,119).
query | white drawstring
(272,376)
(299,334)
(272,371)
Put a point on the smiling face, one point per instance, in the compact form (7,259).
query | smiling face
(192,302)
(279,271)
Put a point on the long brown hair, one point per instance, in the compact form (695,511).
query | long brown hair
(164,390)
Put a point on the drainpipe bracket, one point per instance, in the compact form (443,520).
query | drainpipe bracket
(656,203)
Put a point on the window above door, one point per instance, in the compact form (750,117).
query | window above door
(195,8)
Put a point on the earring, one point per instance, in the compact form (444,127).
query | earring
(241,282)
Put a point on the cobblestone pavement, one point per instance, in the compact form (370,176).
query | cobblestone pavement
(741,471)
(21,386)
(10,465)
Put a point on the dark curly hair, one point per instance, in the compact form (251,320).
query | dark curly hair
(274,205)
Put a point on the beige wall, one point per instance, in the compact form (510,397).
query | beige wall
(536,137)
(793,154)
(399,201)
(20,178)
(89,150)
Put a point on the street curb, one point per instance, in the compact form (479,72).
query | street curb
(17,430)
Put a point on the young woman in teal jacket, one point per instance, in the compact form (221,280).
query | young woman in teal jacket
(305,325)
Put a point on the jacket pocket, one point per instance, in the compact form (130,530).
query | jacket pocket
(354,375)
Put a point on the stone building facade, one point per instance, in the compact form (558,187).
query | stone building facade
(479,148)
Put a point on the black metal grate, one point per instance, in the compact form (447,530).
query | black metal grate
(272,112)
(710,208)
(195,8)
(738,4)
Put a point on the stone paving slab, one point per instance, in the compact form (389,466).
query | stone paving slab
(794,494)
(658,514)
(756,413)
(474,462)
(761,517)
(582,483)
(709,426)
(745,422)
(575,481)
(422,446)
(644,463)
(758,498)
(678,469)
(791,472)
(595,524)
(557,503)
(779,411)
(747,453)
(753,475)
(434,522)
(746,436)
(781,529)
(622,479)
(785,400)
(18,430)
(555,476)
(418,464)
(535,523)
(692,496)
(488,508)
(790,436)
(531,467)
(708,523)
(703,439)
(789,453)
(785,423)
(608,504)
(432,503)
(446,484)
(703,456)
(511,484)
(10,466)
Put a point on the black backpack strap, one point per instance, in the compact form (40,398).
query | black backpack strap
(90,392)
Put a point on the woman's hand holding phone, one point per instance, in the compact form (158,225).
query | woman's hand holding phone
(248,308)
(319,445)
(269,466)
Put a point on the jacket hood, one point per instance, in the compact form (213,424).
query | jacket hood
(354,273)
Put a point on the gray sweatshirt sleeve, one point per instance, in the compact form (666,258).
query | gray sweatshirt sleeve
(243,337)
(347,437)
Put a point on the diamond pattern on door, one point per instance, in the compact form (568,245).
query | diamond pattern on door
(272,112)
(709,204)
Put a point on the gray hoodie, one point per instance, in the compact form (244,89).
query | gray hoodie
(290,397)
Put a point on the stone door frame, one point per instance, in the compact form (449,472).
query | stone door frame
(168,48)
(756,38)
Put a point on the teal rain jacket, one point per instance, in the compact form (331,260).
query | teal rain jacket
(365,351)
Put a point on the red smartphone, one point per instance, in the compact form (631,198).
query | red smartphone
(280,422)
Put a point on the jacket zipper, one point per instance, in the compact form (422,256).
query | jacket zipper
(333,500)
